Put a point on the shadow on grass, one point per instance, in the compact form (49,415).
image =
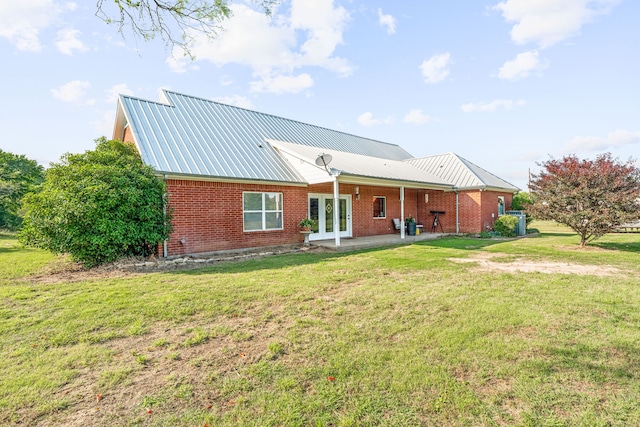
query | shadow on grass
(306,258)
(596,363)
(618,246)
(10,250)
(462,243)
(267,263)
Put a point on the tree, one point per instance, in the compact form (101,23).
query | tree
(18,176)
(592,197)
(176,21)
(521,202)
(98,206)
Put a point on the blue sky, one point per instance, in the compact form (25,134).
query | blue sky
(503,83)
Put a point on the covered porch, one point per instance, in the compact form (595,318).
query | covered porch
(353,196)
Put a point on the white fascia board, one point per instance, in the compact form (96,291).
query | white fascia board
(485,188)
(207,178)
(384,182)
(119,122)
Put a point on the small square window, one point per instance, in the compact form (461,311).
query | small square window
(379,207)
(262,211)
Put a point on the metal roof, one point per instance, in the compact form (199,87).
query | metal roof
(302,158)
(194,136)
(461,172)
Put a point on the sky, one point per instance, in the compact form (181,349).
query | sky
(506,84)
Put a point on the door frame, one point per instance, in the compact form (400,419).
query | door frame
(321,234)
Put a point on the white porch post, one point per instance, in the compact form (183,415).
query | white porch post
(336,211)
(457,213)
(402,212)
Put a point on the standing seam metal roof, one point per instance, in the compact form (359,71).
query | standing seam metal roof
(195,136)
(460,172)
(187,135)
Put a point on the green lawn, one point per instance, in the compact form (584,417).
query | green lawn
(399,336)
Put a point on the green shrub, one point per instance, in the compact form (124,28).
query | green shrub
(521,202)
(18,176)
(506,225)
(98,206)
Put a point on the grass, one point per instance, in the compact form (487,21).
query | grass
(397,336)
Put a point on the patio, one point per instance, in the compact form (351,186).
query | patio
(355,243)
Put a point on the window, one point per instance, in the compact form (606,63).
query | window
(379,207)
(500,205)
(262,211)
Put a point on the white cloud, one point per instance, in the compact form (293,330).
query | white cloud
(387,21)
(104,125)
(237,100)
(226,81)
(68,41)
(616,139)
(367,119)
(522,66)
(436,68)
(417,117)
(270,47)
(21,22)
(492,106)
(115,90)
(179,63)
(280,84)
(75,91)
(548,22)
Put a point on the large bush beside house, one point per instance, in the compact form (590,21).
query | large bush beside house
(98,206)
(506,225)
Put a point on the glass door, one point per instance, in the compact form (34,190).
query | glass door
(321,211)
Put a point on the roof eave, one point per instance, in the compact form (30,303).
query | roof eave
(206,178)
(348,178)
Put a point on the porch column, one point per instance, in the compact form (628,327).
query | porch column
(402,224)
(336,211)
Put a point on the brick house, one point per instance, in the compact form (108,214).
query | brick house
(241,179)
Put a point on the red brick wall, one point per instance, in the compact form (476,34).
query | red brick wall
(490,206)
(470,205)
(128,135)
(438,201)
(209,217)
(474,210)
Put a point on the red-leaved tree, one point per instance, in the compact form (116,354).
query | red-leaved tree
(592,197)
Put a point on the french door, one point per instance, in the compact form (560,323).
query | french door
(321,211)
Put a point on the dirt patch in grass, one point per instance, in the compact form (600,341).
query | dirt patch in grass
(496,262)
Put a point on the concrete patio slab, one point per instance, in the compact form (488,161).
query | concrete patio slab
(355,243)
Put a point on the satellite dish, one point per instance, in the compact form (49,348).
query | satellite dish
(324,160)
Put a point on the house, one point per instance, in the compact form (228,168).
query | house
(242,179)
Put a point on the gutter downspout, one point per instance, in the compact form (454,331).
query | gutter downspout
(457,212)
(164,211)
(336,211)
(403,225)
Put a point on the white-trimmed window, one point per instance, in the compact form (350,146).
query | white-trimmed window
(379,207)
(500,205)
(262,211)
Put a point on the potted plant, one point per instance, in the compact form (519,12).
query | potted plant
(306,224)
(411,225)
